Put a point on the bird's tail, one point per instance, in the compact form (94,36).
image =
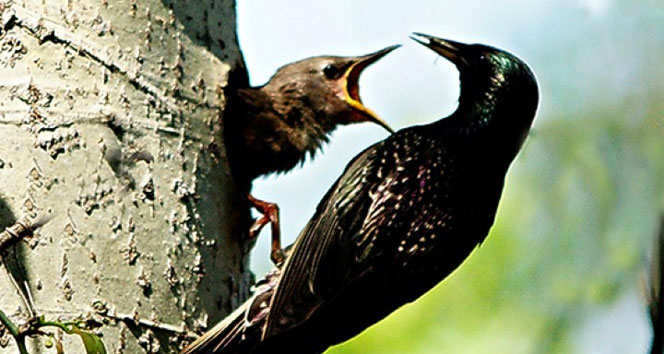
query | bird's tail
(242,330)
(224,335)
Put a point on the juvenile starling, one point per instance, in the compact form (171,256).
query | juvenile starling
(274,127)
(405,213)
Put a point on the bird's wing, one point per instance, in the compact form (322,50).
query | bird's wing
(329,252)
(295,298)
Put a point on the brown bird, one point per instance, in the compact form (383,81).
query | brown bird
(272,128)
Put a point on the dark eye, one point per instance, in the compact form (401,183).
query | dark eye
(331,72)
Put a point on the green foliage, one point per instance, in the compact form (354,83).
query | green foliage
(92,342)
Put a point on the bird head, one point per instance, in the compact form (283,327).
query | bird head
(481,67)
(327,88)
(494,84)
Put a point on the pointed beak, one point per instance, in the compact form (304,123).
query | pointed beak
(352,88)
(451,50)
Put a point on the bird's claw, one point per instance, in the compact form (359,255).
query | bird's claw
(270,213)
(257,226)
(278,257)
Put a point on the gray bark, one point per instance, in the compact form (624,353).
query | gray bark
(110,126)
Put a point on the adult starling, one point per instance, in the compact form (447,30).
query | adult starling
(274,127)
(405,213)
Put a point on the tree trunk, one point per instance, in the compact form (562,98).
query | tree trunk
(110,125)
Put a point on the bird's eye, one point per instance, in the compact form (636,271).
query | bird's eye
(331,72)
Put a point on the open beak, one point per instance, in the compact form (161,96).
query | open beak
(451,50)
(352,87)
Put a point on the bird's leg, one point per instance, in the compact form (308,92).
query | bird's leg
(270,213)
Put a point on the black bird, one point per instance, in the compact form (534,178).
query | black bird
(405,213)
(274,127)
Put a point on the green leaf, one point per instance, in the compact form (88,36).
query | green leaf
(92,342)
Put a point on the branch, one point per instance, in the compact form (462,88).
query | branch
(13,330)
(13,234)
(21,229)
(8,237)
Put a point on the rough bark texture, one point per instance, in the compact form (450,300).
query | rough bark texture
(110,125)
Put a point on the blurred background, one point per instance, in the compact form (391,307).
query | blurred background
(563,268)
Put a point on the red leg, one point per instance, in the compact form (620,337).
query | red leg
(270,213)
